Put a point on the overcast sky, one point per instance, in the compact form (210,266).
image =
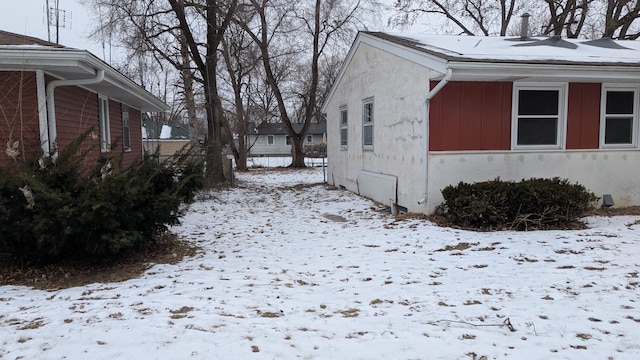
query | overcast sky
(28,17)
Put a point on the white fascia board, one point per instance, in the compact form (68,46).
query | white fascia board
(484,71)
(421,58)
(53,60)
(117,79)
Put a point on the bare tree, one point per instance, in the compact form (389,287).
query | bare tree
(241,58)
(470,17)
(620,19)
(281,29)
(617,19)
(566,17)
(185,34)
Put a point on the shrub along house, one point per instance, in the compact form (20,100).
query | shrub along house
(51,94)
(409,115)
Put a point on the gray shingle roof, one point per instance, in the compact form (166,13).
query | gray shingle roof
(279,129)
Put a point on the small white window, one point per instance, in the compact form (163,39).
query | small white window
(367,124)
(343,128)
(309,139)
(538,116)
(287,140)
(105,126)
(619,123)
(270,139)
(126,134)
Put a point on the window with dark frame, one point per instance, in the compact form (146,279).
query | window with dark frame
(367,124)
(270,139)
(619,115)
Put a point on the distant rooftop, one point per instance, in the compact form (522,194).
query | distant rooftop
(266,128)
(8,38)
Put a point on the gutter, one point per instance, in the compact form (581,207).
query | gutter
(51,106)
(425,132)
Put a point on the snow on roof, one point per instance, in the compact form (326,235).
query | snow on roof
(165,133)
(538,49)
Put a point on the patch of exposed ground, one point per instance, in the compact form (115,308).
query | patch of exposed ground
(168,249)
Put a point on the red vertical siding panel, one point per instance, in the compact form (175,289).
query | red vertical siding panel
(583,116)
(471,100)
(451,123)
(19,120)
(471,116)
(435,120)
(496,116)
(76,113)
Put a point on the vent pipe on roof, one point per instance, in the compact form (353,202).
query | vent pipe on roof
(524,26)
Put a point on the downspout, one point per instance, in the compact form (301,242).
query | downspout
(425,132)
(51,106)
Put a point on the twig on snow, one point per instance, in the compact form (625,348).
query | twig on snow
(506,323)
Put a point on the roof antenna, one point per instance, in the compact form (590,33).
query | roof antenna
(524,26)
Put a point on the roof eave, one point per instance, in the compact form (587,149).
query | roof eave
(419,56)
(536,71)
(72,63)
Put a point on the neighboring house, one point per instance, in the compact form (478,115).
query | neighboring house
(50,94)
(167,139)
(409,115)
(271,139)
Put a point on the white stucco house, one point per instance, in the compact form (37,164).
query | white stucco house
(409,115)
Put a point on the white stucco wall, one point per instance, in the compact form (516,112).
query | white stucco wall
(602,172)
(398,88)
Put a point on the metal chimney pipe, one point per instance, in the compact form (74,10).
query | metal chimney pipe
(524,26)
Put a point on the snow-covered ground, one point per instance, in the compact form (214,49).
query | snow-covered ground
(307,272)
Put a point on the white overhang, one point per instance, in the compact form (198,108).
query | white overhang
(73,64)
(484,71)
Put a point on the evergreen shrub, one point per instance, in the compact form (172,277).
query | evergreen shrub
(526,205)
(63,209)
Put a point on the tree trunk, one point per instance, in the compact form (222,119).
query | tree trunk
(214,174)
(241,162)
(297,151)
(189,98)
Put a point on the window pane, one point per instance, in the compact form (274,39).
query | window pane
(538,102)
(619,102)
(126,137)
(343,136)
(343,117)
(367,135)
(287,140)
(537,131)
(618,131)
(368,112)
